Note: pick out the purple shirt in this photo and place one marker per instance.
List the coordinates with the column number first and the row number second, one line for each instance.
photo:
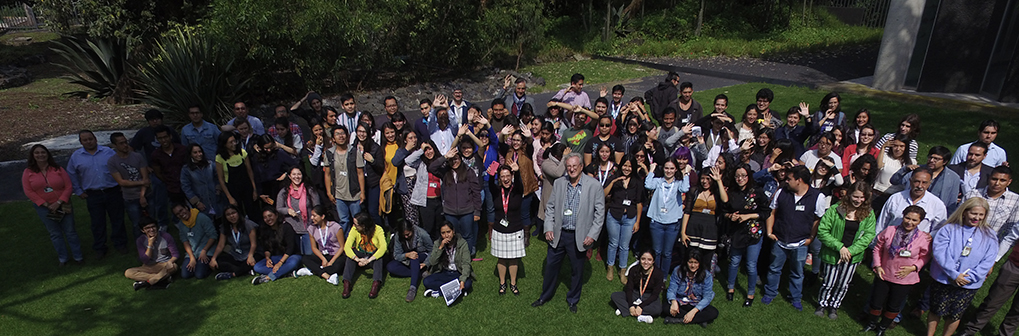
column 326, row 238
column 165, row 249
column 568, row 96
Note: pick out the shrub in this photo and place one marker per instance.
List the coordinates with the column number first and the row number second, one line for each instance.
column 100, row 65
column 185, row 69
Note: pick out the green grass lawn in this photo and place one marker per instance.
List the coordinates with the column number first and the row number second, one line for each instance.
column 595, row 72
column 39, row 298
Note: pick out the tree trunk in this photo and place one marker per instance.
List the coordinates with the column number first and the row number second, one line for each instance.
column 608, row 20
column 700, row 20
column 520, row 54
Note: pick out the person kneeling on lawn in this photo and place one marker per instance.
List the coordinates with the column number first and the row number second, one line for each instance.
column 158, row 254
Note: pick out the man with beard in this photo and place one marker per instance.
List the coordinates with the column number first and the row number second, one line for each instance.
column 891, row 214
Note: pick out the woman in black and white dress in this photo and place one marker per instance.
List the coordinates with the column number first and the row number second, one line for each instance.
column 512, row 215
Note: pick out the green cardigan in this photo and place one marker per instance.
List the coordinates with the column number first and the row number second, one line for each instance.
column 461, row 258
column 830, row 230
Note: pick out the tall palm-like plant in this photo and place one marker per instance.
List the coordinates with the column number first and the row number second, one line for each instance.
column 186, row 69
column 101, row 66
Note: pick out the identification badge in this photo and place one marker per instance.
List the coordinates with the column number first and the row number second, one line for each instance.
column 966, row 250
column 686, row 120
column 626, row 202
column 433, row 185
column 238, row 251
column 685, row 299
column 48, row 189
column 504, row 222
column 568, row 212
column 637, row 302
column 191, row 234
column 664, row 210
column 707, row 211
column 801, row 207
column 905, row 253
column 343, row 173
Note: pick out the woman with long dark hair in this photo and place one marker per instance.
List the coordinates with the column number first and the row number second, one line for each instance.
column 703, row 205
column 294, row 203
column 602, row 166
column 48, row 186
column 450, row 259
column 746, row 212
column 690, row 292
column 375, row 167
column 406, row 180
column 866, row 145
column 236, row 179
column 391, row 143
column 240, row 234
column 845, row 231
column 764, row 142
column 198, row 183
column 864, row 169
column 279, row 244
column 853, row 130
column 364, row 247
column 909, row 130
column 286, row 140
column 427, row 192
column 641, row 293
column 461, row 195
column 410, row 251
column 325, row 259
column 665, row 210
column 828, row 117
column 624, row 198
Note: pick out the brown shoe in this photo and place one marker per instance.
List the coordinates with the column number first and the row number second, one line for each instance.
column 374, row 293
column 622, row 275
column 610, row 272
column 346, row 289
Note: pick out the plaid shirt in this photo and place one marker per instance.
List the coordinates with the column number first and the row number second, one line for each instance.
column 294, row 129
column 1004, row 211
column 572, row 204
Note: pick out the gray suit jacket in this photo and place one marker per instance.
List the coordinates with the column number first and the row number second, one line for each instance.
column 590, row 214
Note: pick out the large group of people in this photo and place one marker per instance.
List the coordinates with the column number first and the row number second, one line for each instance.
column 687, row 193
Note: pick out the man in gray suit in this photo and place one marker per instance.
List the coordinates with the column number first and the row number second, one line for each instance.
column 574, row 215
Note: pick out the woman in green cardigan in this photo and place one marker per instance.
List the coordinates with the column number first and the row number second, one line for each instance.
column 450, row 259
column 845, row 231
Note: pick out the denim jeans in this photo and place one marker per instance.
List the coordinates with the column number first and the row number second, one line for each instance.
column 134, row 211
column 815, row 256
column 372, row 205
column 59, row 232
column 620, row 231
column 346, row 210
column 467, row 229
column 736, row 255
column 159, row 201
column 489, row 204
column 201, row 271
column 412, row 270
column 663, row 239
column 288, row 266
column 779, row 257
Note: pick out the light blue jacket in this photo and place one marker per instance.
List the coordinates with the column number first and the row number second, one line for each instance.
column 674, row 207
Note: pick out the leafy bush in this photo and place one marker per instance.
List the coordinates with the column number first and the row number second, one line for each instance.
column 143, row 19
column 101, row 66
column 186, row 69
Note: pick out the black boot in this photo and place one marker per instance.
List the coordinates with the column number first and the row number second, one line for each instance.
column 881, row 331
column 871, row 323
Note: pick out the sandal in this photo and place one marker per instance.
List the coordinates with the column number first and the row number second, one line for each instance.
column 515, row 290
column 502, row 289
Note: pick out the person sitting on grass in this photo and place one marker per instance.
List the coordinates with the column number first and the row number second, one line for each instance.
column 410, row 251
column 641, row 293
column 365, row 246
column 279, row 244
column 690, row 293
column 326, row 248
column 158, row 253
column 450, row 259
column 198, row 236
column 240, row 256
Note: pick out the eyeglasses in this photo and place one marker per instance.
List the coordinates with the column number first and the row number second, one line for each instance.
column 866, row 134
column 607, row 125
column 741, row 176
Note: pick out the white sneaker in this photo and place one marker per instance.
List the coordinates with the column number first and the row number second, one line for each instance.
column 431, row 293
column 645, row 318
column 618, row 313
column 304, row 271
column 333, row 279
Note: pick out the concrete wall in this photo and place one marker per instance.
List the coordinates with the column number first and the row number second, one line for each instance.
column 897, row 43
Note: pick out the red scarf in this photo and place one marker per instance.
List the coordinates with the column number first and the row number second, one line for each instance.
column 302, row 197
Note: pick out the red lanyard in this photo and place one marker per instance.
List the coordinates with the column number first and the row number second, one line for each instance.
column 505, row 200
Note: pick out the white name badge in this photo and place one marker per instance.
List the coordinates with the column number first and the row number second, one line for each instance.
column 568, row 212
column 966, row 250
column 707, row 211
column 432, row 185
column 504, row 222
column 343, row 173
column 664, row 210
column 686, row 120
column 191, row 234
column 238, row 251
column 626, row 202
column 905, row 253
column 801, row 207
column 637, row 302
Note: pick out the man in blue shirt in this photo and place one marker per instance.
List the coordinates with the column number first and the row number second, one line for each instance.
column 945, row 183
column 241, row 112
column 987, row 133
column 200, row 132
column 92, row 182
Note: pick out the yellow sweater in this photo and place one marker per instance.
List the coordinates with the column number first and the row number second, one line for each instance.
column 377, row 245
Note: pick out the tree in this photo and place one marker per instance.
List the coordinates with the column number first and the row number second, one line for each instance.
column 518, row 23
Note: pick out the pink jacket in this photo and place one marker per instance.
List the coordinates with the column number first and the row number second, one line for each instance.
column 34, row 185
column 920, row 250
